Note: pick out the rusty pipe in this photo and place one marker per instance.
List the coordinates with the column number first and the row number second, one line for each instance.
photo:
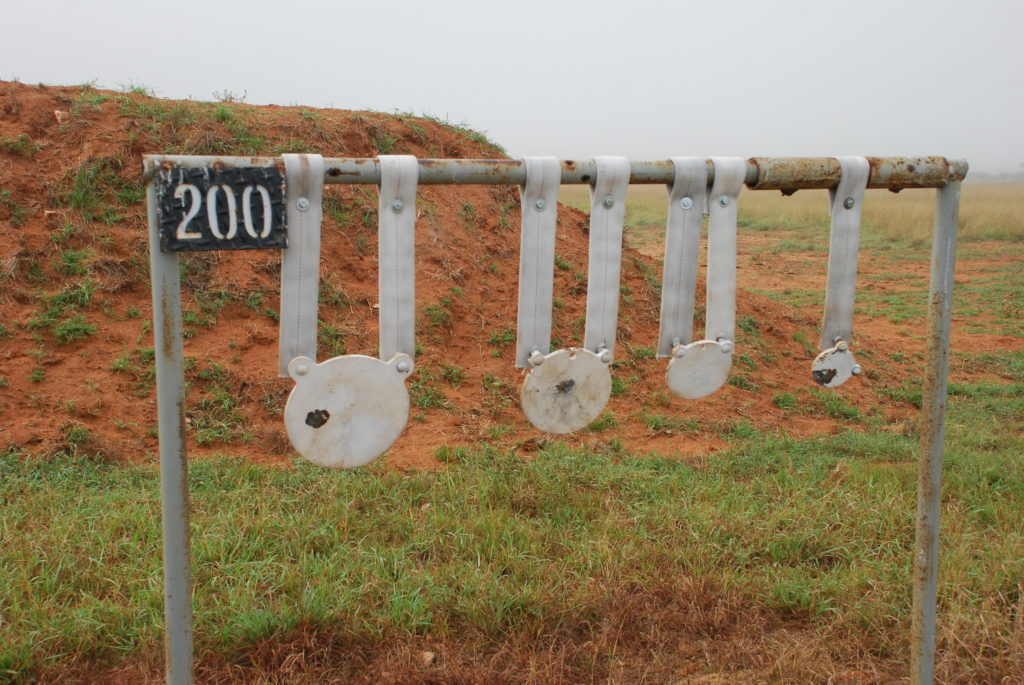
column 763, row 173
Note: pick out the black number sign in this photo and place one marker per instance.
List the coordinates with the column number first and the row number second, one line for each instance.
column 221, row 208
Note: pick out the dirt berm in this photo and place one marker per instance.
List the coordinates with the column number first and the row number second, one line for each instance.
column 76, row 345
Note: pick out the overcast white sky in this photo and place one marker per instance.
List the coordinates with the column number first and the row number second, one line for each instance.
column 573, row 79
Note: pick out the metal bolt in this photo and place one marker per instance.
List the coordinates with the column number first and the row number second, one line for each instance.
column 724, row 201
column 686, row 203
column 536, row 358
column 302, row 204
column 842, row 346
column 397, row 206
column 606, row 355
column 301, row 370
column 403, row 367
column 540, row 204
column 856, row 370
column 726, row 346
column 849, row 203
column 608, row 201
column 678, row 351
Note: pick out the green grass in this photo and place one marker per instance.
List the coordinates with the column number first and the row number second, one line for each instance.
column 502, row 338
column 216, row 419
column 99, row 191
column 603, row 422
column 743, row 383
column 425, row 391
column 331, row 340
column 785, row 400
column 18, row 213
column 453, row 374
column 439, row 314
column 831, row 404
column 384, row 142
column 461, row 129
column 516, row 547
column 89, row 100
column 663, row 422
column 61, row 312
column 74, row 328
column 22, row 146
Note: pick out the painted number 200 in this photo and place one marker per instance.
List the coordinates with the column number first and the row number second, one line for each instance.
column 196, row 201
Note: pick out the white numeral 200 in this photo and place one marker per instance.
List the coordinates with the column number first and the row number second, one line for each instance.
column 196, row 201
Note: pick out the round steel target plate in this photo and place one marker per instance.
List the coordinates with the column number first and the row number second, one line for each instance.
column 566, row 391
column 702, row 369
column 346, row 411
column 833, row 367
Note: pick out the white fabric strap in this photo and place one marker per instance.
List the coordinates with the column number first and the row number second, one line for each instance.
column 537, row 256
column 686, row 205
column 844, row 239
column 399, row 175
column 721, row 285
column 300, row 261
column 607, row 213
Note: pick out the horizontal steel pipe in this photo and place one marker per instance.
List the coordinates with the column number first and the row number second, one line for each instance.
column 763, row 173
column 896, row 173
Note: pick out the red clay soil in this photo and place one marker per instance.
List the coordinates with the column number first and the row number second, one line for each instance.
column 73, row 217
column 687, row 632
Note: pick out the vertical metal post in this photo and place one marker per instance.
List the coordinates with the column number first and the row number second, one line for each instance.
column 933, row 409
column 170, row 384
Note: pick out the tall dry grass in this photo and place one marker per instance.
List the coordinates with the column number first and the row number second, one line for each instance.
column 987, row 211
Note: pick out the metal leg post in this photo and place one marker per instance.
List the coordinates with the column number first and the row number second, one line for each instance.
column 933, row 409
column 173, row 459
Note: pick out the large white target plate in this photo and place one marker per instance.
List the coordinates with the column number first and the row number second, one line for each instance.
column 834, row 366
column 566, row 391
column 347, row 411
column 699, row 369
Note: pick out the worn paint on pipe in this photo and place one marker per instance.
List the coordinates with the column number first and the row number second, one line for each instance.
column 170, row 384
column 894, row 173
column 763, row 173
column 933, row 409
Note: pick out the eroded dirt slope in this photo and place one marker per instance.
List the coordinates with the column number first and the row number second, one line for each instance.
column 76, row 357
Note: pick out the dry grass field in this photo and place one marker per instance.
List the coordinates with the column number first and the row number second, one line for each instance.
column 987, row 212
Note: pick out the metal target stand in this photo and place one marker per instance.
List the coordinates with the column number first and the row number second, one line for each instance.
column 785, row 174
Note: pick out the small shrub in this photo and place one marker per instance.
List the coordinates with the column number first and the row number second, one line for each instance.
column 22, row 146
column 743, row 383
column 644, row 353
column 784, row 400
column 384, row 142
column 501, row 338
column 73, row 329
column 603, row 422
column 453, row 375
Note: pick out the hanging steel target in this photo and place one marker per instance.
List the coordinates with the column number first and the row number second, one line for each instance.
column 566, row 390
column 347, row 411
column 834, row 366
column 699, row 369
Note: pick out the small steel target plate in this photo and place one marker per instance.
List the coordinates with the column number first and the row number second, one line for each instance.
column 566, row 391
column 699, row 369
column 346, row 411
column 833, row 367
